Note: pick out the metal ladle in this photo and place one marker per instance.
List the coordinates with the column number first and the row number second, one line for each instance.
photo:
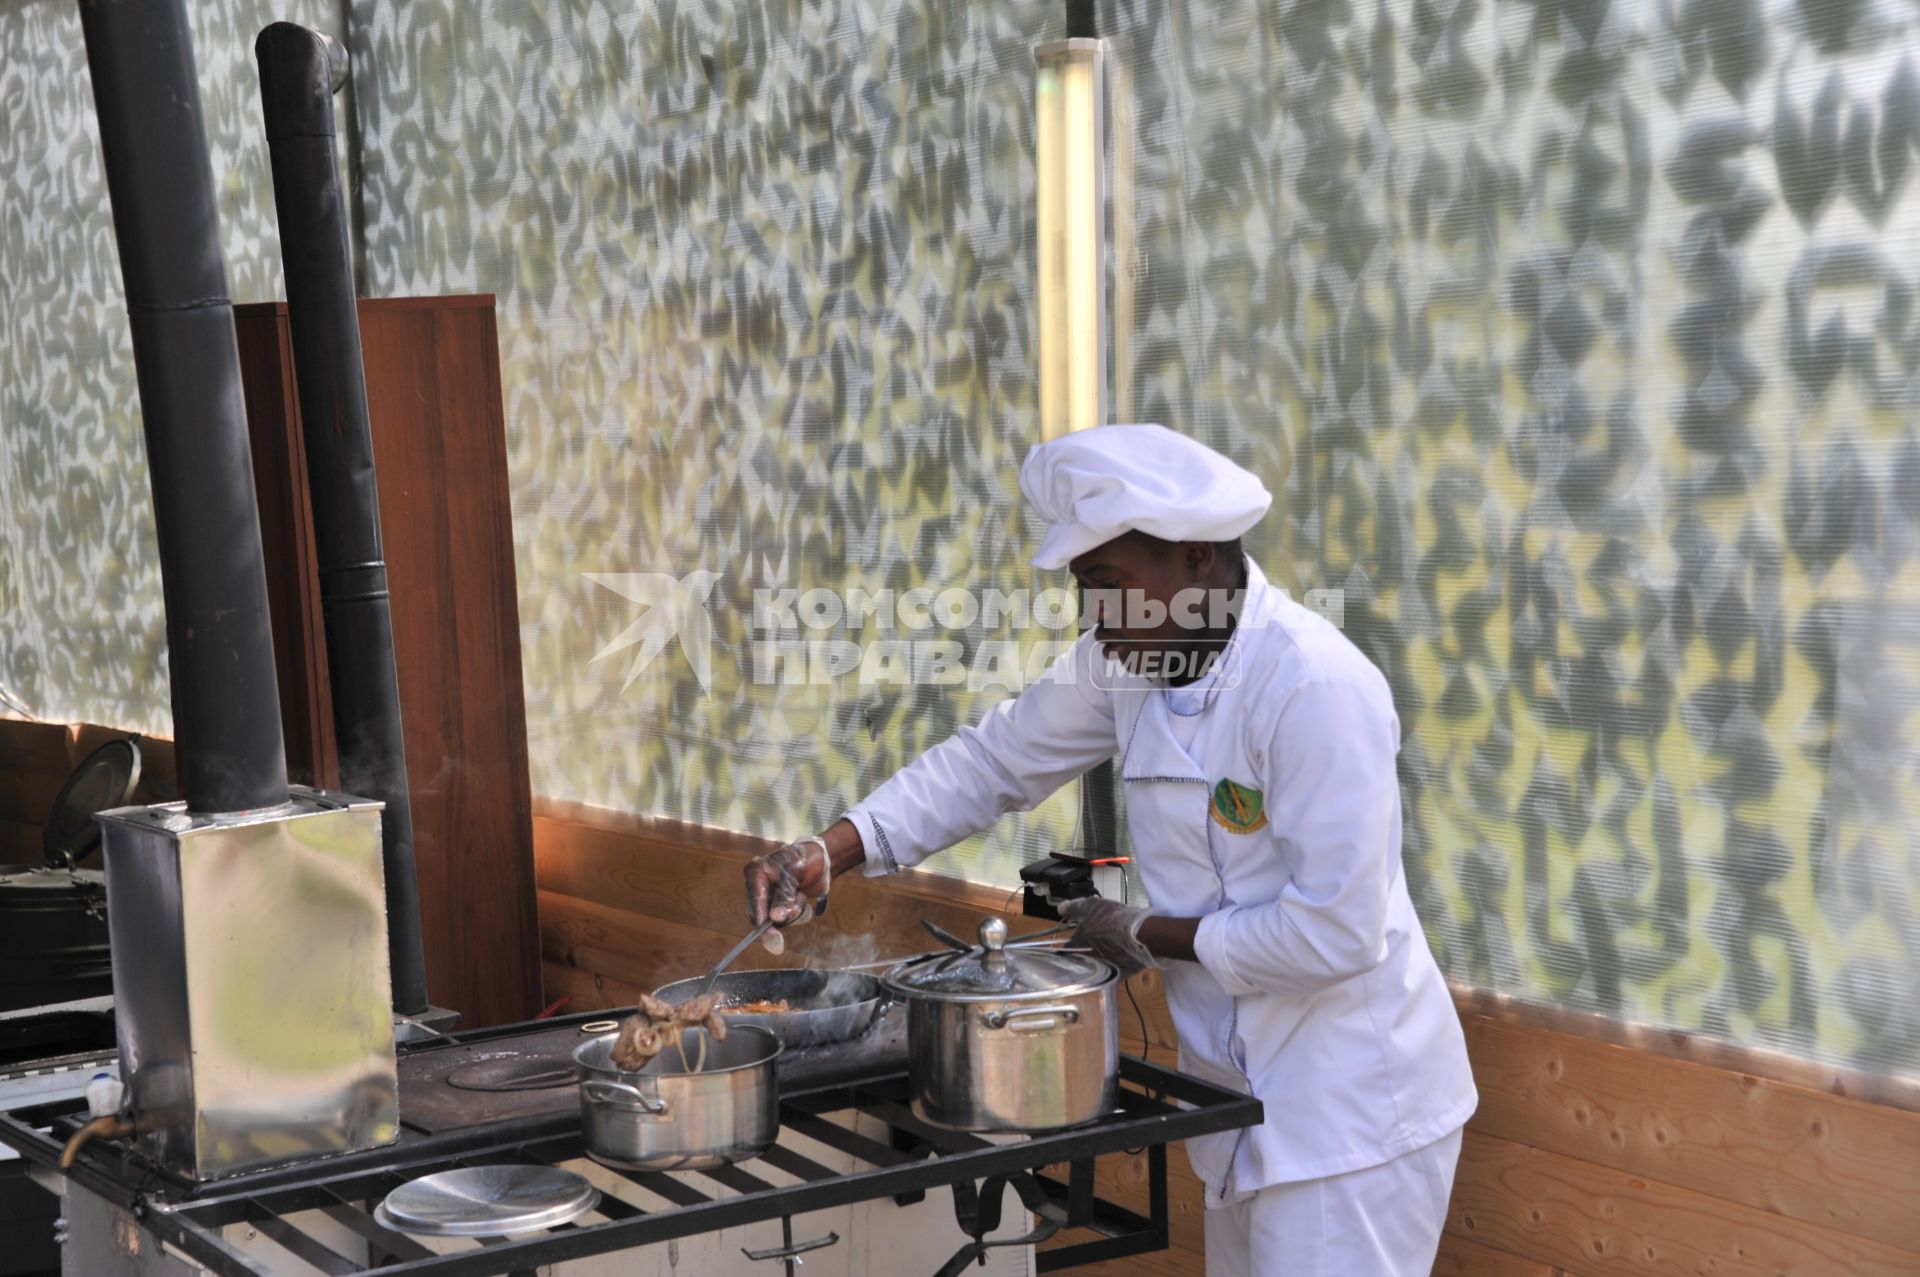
column 706, row 986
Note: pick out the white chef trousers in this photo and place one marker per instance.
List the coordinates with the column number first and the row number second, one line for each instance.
column 1384, row 1221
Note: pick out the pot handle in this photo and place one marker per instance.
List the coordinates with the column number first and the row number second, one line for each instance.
column 614, row 1092
column 1031, row 1019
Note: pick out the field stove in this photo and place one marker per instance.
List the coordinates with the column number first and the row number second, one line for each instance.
column 856, row 1185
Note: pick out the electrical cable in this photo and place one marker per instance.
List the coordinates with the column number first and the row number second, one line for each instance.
column 1139, row 1015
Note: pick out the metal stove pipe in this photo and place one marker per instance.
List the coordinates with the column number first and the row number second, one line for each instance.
column 300, row 70
column 226, row 703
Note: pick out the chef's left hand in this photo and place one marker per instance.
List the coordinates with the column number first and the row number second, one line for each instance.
column 1111, row 930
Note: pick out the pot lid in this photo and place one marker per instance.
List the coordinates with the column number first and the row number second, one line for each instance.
column 487, row 1201
column 992, row 970
column 40, row 885
column 105, row 779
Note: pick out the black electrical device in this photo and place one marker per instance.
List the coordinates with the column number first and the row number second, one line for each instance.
column 1053, row 880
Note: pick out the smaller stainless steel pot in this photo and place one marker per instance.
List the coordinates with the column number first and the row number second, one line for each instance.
column 664, row 1119
column 1008, row 1041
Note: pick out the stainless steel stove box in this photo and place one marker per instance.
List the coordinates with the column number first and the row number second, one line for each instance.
column 250, row 981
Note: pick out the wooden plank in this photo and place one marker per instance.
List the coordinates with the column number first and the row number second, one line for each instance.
column 703, row 886
column 1461, row 1257
column 286, row 531
column 1783, row 1149
column 700, row 886
column 433, row 391
column 626, row 860
column 1559, row 1210
column 20, row 843
column 451, row 301
column 589, row 991
column 439, row 440
column 643, row 951
column 30, row 746
column 27, row 796
column 1175, row 1261
column 675, row 837
column 1883, row 1090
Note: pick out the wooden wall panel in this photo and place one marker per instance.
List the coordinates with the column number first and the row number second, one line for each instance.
column 587, row 990
column 20, row 842
column 29, row 792
column 35, row 761
column 1173, row 1262
column 440, row 441
column 635, row 947
column 1560, row 1210
column 1460, row 1257
column 1781, row 1149
column 32, row 755
column 25, row 744
column 1585, row 1159
column 1890, row 1090
column 433, row 391
column 286, row 540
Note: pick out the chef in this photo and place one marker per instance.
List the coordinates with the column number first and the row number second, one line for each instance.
column 1257, row 748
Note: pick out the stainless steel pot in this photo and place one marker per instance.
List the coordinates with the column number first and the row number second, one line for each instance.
column 664, row 1119
column 1001, row 1040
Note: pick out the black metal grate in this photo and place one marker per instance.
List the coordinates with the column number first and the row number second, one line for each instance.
column 1157, row 1107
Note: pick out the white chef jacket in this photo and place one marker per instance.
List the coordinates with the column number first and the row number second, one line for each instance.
column 1315, row 989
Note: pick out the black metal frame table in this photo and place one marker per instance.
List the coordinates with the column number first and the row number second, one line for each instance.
column 1157, row 1106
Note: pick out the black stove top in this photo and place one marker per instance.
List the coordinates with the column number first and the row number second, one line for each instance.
column 854, row 1101
column 528, row 1071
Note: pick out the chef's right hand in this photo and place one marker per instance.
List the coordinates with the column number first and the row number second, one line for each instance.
column 783, row 884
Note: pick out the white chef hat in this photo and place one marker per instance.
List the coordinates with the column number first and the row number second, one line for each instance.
column 1093, row 485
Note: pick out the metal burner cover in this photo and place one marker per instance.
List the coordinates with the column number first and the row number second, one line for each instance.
column 487, row 1201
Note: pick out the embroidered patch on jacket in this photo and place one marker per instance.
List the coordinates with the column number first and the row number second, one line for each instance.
column 1238, row 808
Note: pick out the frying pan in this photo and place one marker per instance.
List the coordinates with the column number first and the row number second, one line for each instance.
column 828, row 1006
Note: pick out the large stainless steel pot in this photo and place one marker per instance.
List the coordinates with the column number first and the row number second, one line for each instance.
column 664, row 1119
column 1001, row 1040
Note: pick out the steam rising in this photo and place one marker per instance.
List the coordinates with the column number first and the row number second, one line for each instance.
column 832, row 953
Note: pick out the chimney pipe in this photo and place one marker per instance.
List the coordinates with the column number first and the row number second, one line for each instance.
column 300, row 70
column 226, row 704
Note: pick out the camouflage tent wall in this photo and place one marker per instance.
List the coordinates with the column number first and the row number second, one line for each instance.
column 82, row 635
column 1578, row 337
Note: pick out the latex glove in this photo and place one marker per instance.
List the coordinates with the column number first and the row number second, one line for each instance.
column 1111, row 930
column 783, row 884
